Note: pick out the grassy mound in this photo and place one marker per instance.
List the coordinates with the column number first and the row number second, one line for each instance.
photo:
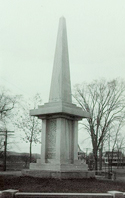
column 29, row 184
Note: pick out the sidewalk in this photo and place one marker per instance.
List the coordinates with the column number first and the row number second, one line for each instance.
column 11, row 173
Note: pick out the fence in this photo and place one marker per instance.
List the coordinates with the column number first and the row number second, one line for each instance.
column 16, row 194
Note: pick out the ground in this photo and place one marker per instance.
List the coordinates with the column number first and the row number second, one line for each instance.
column 29, row 184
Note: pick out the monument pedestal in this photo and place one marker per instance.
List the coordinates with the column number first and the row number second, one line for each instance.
column 59, row 150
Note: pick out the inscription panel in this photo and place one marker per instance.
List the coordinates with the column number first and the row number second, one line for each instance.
column 51, row 139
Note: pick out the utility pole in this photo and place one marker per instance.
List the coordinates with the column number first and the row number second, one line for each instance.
column 5, row 151
column 5, row 133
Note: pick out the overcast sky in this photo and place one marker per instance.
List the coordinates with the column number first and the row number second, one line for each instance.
column 28, row 31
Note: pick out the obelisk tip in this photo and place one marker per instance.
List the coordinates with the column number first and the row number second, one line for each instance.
column 62, row 18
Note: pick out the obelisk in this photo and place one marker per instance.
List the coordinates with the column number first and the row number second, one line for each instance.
column 60, row 84
column 59, row 150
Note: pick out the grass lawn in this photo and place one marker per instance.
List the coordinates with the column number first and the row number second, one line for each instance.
column 29, row 184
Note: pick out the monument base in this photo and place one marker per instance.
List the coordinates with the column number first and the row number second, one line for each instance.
column 59, row 171
column 59, row 174
column 76, row 166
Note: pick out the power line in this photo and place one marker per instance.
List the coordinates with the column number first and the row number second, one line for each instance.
column 15, row 86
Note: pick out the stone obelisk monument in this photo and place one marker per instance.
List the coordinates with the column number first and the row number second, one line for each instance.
column 59, row 150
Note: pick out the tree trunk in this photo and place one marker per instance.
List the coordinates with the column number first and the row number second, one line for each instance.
column 95, row 153
column 100, row 156
column 96, row 162
column 30, row 151
column 96, row 158
column 100, row 159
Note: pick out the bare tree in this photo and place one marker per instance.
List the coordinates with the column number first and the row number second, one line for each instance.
column 7, row 103
column 30, row 125
column 115, row 135
column 105, row 101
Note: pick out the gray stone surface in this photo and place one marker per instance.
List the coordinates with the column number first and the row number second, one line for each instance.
column 60, row 85
column 59, row 151
column 59, row 175
column 59, row 108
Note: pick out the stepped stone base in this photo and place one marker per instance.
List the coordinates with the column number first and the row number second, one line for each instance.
column 59, row 171
column 59, row 174
column 77, row 166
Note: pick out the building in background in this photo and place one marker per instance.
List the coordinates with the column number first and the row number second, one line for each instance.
column 114, row 158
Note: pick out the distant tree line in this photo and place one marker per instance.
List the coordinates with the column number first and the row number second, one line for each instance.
column 18, row 161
